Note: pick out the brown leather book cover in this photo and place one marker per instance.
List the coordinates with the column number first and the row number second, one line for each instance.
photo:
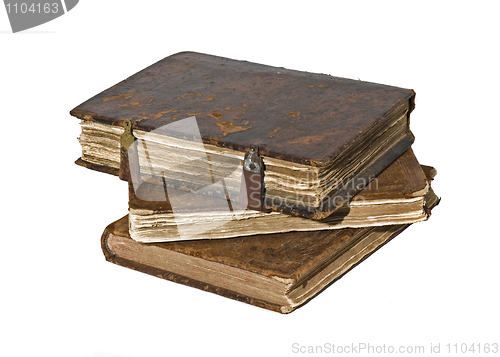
column 279, row 272
column 299, row 117
column 291, row 261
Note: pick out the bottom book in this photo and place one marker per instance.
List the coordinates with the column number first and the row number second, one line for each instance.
column 279, row 272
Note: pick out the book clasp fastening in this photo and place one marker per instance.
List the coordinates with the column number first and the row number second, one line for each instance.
column 253, row 179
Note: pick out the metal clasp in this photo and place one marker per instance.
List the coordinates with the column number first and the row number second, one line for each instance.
column 253, row 177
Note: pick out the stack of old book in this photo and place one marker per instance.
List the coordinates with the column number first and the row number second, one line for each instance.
column 258, row 183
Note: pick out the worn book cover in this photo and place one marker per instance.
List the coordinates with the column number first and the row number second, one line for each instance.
column 314, row 128
column 280, row 272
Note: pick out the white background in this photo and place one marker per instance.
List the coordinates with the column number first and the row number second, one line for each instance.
column 436, row 283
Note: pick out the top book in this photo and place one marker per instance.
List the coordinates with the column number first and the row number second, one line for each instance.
column 322, row 138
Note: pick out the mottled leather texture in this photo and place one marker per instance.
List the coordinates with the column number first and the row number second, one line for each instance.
column 296, row 116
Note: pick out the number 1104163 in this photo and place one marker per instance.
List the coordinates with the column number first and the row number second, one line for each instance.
column 34, row 8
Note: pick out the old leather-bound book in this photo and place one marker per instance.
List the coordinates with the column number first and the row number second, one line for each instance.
column 279, row 272
column 397, row 196
column 321, row 139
